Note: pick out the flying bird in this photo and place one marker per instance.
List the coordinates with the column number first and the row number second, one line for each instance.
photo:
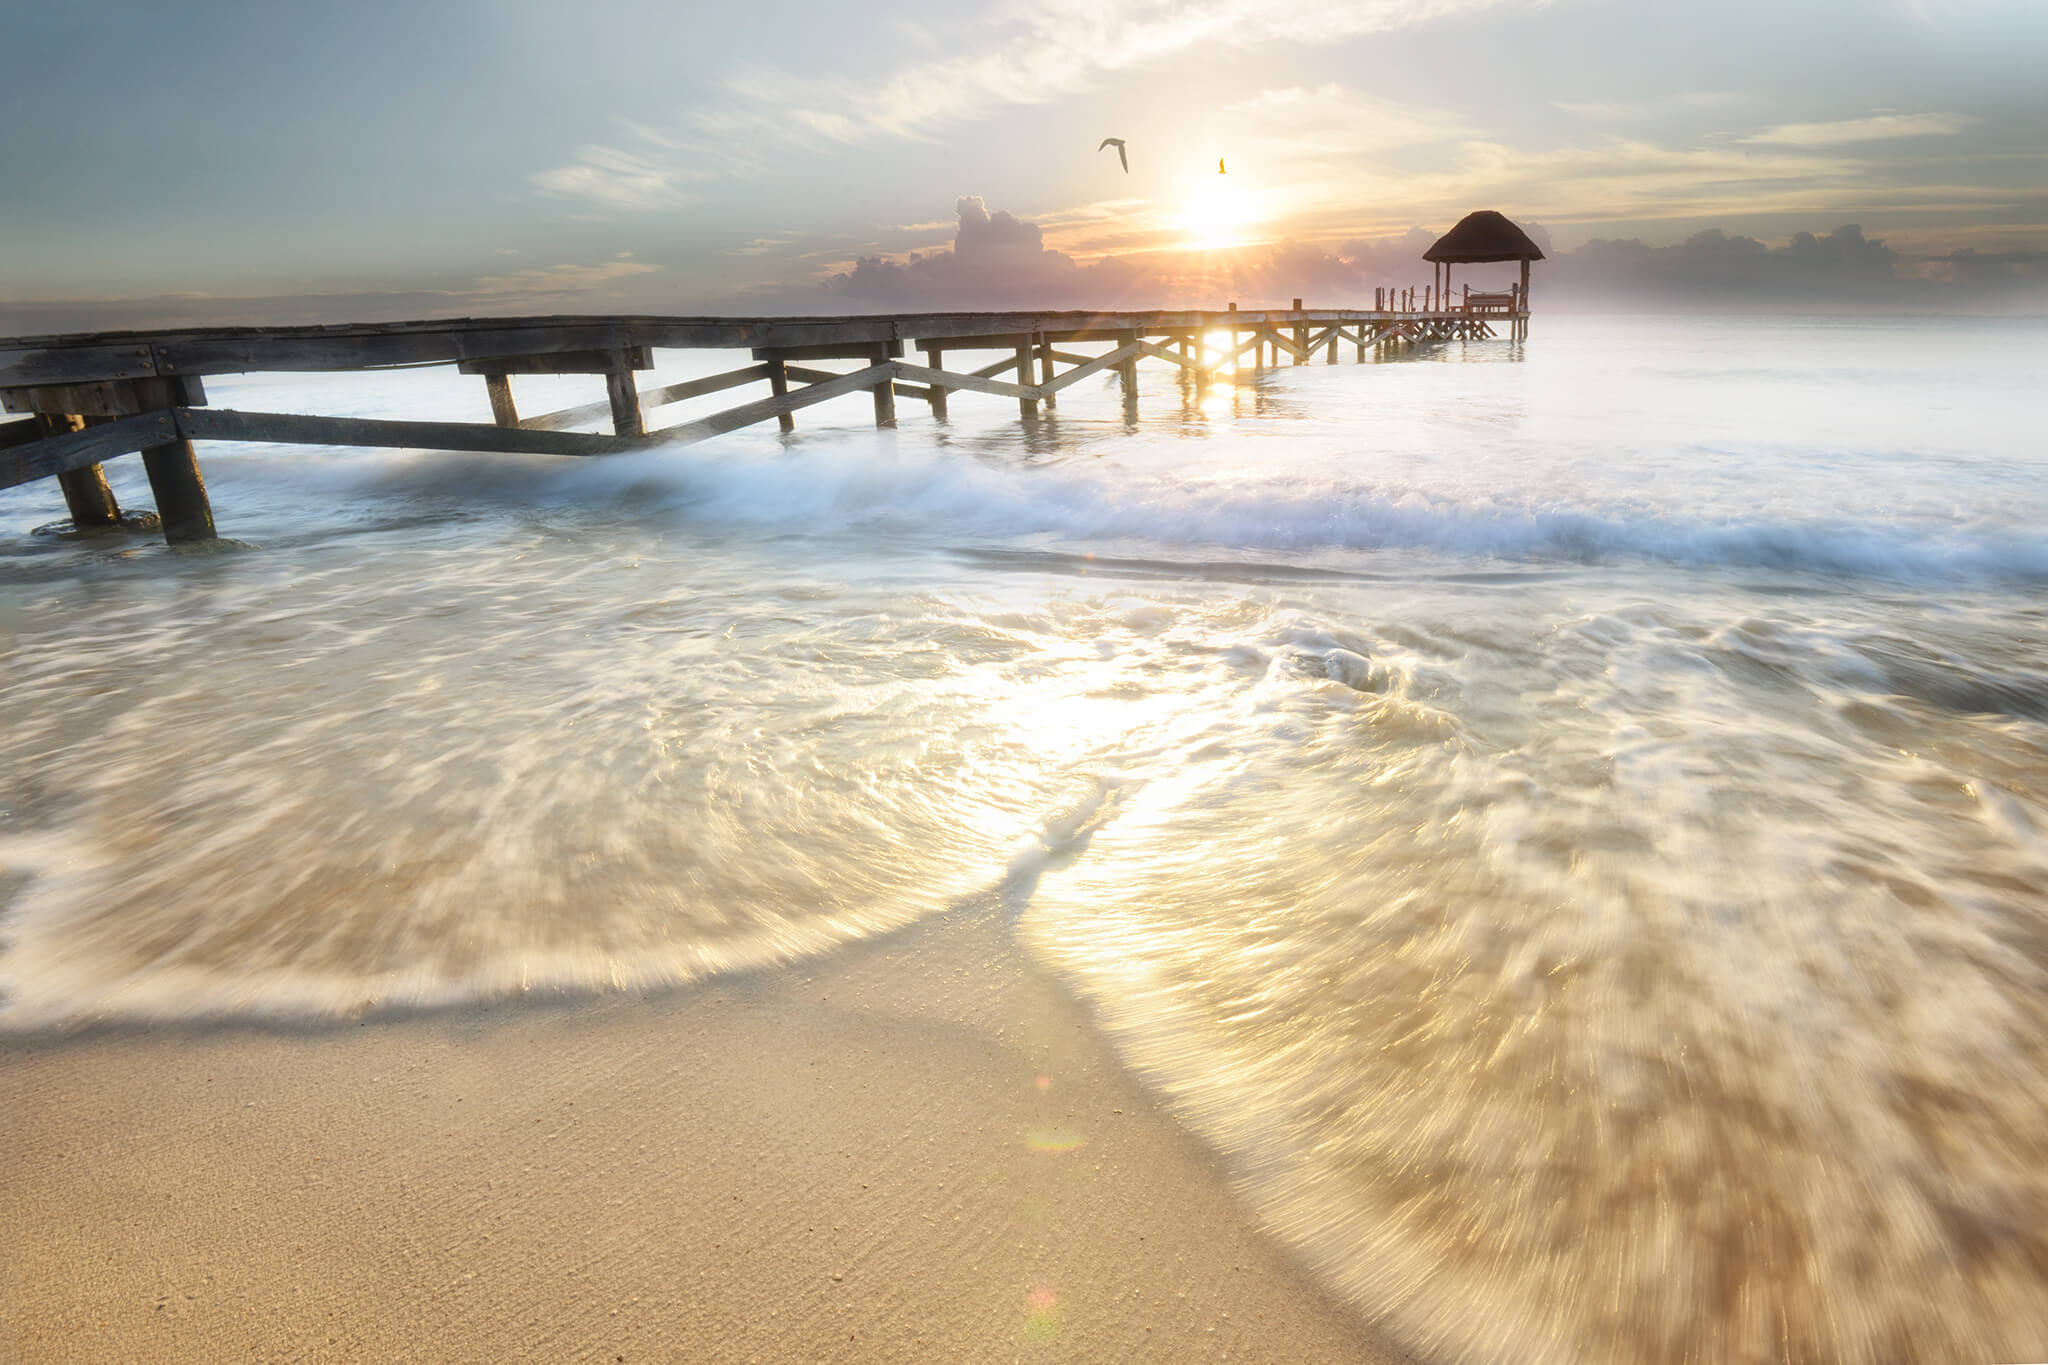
column 1219, row 165
column 1121, row 155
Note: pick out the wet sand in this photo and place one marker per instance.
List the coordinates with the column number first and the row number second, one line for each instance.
column 915, row 1150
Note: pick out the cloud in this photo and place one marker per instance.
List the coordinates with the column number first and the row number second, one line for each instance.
column 1048, row 50
column 1841, row 270
column 1001, row 261
column 1876, row 128
column 1677, row 104
column 617, row 179
column 561, row 279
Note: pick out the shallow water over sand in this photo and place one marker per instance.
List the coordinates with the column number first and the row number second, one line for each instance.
column 1565, row 824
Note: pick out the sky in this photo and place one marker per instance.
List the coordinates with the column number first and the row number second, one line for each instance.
column 287, row 162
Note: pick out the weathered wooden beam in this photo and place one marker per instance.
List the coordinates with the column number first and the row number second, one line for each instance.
column 42, row 458
column 747, row 414
column 854, row 348
column 503, row 410
column 1168, row 353
column 1281, row 343
column 1119, row 356
column 284, row 428
column 228, row 351
column 560, row 362
column 711, row 383
column 953, row 379
column 57, row 360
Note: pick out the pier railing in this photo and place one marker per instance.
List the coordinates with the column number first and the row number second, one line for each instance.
column 92, row 397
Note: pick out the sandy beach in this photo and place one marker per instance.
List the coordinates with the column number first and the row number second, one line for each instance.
column 915, row 1150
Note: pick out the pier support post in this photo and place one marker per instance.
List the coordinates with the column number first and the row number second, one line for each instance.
column 180, row 492
column 1026, row 407
column 1046, row 371
column 885, row 392
column 778, row 385
column 87, row 495
column 503, row 410
column 937, row 358
column 174, row 479
column 625, row 395
column 1300, row 340
column 1128, row 373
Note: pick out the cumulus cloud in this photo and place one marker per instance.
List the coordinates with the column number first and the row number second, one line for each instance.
column 1000, row 261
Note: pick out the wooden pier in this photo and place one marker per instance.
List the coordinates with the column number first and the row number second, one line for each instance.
column 89, row 398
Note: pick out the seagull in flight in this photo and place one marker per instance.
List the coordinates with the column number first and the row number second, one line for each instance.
column 1121, row 155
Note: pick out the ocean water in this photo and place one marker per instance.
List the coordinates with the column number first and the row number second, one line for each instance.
column 1566, row 823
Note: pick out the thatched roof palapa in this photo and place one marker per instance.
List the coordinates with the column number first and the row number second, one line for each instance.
column 1483, row 236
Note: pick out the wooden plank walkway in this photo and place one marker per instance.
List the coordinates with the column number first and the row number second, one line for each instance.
column 91, row 397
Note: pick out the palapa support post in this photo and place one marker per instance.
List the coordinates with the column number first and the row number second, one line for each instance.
column 503, row 410
column 778, row 386
column 625, row 395
column 87, row 495
column 885, row 392
column 937, row 357
column 1026, row 407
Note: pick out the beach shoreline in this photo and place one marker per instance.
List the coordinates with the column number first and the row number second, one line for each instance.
column 912, row 1149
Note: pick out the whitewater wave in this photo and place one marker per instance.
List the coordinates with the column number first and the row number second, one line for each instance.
column 871, row 487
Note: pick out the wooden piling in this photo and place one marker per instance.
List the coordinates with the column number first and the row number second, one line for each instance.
column 180, row 492
column 87, row 495
column 1300, row 340
column 1026, row 407
column 1046, row 373
column 778, row 387
column 885, row 391
column 937, row 357
column 625, row 396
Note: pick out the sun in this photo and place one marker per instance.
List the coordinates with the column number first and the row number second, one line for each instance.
column 1218, row 210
